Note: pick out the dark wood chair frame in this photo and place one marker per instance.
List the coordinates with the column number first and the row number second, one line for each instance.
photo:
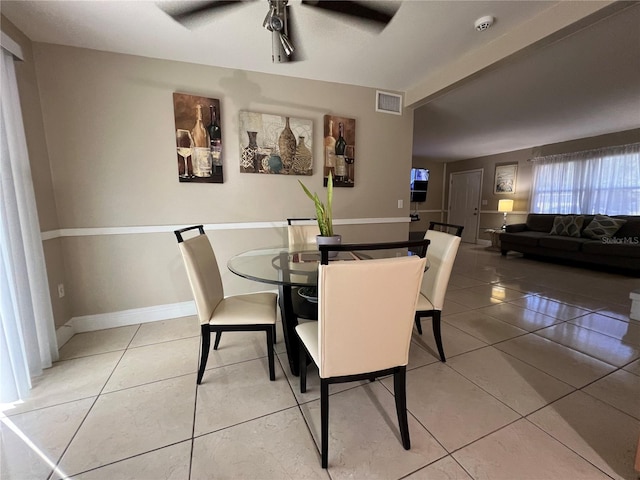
column 205, row 330
column 290, row 220
column 446, row 226
column 399, row 373
column 436, row 315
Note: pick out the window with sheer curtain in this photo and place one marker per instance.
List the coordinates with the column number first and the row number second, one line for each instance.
column 27, row 332
column 604, row 181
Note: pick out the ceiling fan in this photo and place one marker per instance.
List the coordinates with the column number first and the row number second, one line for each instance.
column 278, row 17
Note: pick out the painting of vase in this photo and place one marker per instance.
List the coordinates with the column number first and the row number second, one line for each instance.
column 339, row 150
column 274, row 144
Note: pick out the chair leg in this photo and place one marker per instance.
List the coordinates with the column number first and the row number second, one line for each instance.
column 270, row 342
column 302, row 354
column 206, row 344
column 275, row 338
column 217, row 342
column 418, row 324
column 324, row 421
column 437, row 335
column 400, row 392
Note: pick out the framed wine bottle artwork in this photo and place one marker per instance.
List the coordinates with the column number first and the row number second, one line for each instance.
column 198, row 138
column 339, row 150
column 275, row 144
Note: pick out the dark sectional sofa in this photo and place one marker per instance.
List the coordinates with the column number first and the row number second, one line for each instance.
column 620, row 251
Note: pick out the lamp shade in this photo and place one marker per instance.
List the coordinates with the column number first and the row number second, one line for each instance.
column 505, row 205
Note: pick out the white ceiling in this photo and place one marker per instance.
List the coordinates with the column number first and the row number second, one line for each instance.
column 583, row 85
column 532, row 101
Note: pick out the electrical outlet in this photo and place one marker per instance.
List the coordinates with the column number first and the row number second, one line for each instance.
column 60, row 290
column 400, row 203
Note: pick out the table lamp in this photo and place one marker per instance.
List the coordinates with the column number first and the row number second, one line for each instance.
column 505, row 206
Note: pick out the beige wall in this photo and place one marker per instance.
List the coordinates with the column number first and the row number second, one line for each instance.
column 109, row 126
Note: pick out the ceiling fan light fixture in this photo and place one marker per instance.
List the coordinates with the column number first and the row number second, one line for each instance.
column 286, row 44
column 276, row 24
column 267, row 20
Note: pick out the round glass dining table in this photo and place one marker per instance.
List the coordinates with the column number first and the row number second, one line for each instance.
column 295, row 272
column 280, row 266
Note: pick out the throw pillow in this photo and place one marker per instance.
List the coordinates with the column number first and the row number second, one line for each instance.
column 567, row 225
column 603, row 226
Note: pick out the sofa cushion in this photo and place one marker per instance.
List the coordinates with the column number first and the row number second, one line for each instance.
column 631, row 229
column 567, row 225
column 540, row 222
column 602, row 226
column 522, row 238
column 616, row 247
column 558, row 242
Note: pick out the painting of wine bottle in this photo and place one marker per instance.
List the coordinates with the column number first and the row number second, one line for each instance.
column 339, row 150
column 198, row 139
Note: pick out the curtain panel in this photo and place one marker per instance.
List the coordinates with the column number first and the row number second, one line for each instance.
column 604, row 181
column 27, row 331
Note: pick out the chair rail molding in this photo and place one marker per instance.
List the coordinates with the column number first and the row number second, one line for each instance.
column 93, row 231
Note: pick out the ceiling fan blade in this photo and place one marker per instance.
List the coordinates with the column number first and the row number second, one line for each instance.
column 187, row 13
column 353, row 9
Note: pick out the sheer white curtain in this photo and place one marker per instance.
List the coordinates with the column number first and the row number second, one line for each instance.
column 605, row 181
column 27, row 332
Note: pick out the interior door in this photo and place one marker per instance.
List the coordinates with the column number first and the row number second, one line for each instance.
column 464, row 202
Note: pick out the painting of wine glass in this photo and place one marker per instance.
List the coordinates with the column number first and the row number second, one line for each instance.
column 275, row 144
column 198, row 138
column 339, row 150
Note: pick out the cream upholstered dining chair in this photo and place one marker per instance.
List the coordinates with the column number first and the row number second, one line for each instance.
column 366, row 310
column 217, row 313
column 442, row 253
column 301, row 233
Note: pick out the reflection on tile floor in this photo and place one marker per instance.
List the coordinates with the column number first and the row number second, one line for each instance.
column 542, row 382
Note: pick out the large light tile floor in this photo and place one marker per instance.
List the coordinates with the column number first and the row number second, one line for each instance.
column 542, row 382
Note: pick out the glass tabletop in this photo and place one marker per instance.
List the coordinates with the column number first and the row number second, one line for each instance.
column 281, row 266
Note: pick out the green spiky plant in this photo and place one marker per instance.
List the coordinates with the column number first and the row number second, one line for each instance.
column 323, row 212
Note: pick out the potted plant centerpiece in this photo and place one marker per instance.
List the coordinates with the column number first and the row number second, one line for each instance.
column 324, row 215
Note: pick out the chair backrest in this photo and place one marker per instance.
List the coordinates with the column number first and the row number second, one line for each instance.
column 366, row 311
column 442, row 253
column 447, row 228
column 202, row 271
column 302, row 233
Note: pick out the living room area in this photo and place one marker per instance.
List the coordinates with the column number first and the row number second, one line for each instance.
column 542, row 374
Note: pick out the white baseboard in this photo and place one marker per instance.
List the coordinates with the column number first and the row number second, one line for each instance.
column 101, row 321
column 64, row 334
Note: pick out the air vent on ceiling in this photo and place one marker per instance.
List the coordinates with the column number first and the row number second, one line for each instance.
column 388, row 102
